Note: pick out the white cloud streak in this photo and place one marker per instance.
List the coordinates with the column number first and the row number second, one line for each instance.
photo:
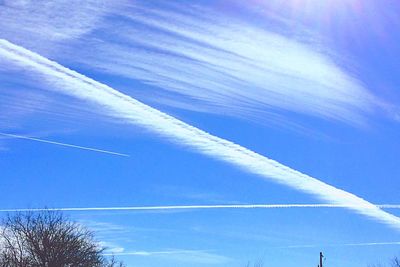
column 227, row 65
column 222, row 64
column 205, row 207
column 64, row 144
column 183, row 255
column 152, row 253
column 367, row 244
column 110, row 247
column 125, row 108
column 25, row 19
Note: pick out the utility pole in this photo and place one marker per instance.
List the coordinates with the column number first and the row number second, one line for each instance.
column 320, row 259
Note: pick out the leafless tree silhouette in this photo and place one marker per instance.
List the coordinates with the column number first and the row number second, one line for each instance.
column 395, row 262
column 258, row 263
column 48, row 239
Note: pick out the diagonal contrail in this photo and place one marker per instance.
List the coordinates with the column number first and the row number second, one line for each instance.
column 199, row 207
column 124, row 107
column 64, row 144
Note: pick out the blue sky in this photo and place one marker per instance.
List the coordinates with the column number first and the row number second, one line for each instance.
column 210, row 103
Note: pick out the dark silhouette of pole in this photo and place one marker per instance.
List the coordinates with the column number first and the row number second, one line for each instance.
column 320, row 259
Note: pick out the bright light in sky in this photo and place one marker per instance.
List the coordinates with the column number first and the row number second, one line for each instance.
column 166, row 125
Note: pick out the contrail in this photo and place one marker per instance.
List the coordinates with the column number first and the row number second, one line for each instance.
column 64, row 144
column 393, row 243
column 124, row 107
column 200, row 207
column 151, row 253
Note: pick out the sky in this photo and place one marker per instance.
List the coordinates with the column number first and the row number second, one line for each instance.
column 161, row 124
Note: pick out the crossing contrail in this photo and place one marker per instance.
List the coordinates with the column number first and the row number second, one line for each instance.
column 125, row 108
column 199, row 207
column 63, row 144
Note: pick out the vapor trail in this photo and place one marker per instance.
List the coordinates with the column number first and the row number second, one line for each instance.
column 124, row 107
column 394, row 243
column 64, row 144
column 151, row 253
column 201, row 207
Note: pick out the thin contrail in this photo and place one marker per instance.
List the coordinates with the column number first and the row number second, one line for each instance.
column 392, row 243
column 128, row 109
column 152, row 253
column 166, row 252
column 64, row 144
column 200, row 207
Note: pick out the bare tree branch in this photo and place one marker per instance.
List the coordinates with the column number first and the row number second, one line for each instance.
column 48, row 239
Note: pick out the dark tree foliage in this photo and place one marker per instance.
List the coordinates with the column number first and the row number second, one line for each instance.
column 48, row 239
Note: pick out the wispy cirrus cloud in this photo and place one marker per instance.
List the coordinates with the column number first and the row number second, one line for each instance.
column 111, row 248
column 22, row 19
column 179, row 255
column 131, row 111
column 200, row 59
column 228, row 66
